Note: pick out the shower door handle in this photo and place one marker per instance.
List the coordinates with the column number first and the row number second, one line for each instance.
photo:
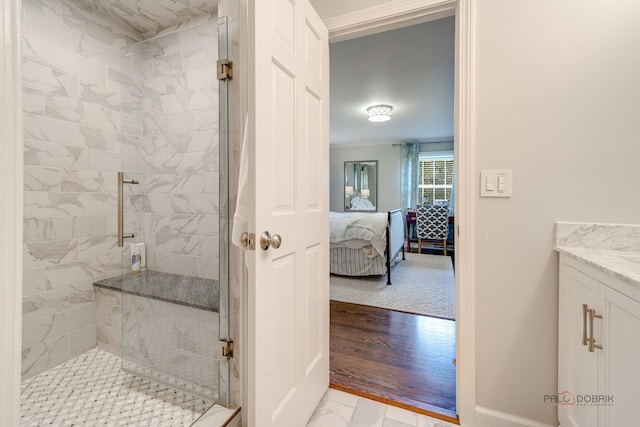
column 121, row 235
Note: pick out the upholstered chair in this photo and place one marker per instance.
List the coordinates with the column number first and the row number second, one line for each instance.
column 432, row 223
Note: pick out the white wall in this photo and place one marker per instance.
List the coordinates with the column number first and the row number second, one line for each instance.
column 388, row 158
column 557, row 93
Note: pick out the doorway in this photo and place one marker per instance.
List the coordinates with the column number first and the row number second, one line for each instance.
column 396, row 354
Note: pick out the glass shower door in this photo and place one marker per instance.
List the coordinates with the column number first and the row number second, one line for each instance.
column 175, row 267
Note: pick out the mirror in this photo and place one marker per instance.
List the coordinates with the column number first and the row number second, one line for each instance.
column 360, row 186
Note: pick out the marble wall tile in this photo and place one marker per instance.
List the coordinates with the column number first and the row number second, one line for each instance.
column 41, row 21
column 187, row 122
column 108, row 314
column 212, row 182
column 198, row 140
column 156, row 223
column 180, row 102
column 55, row 155
column 50, row 253
column 171, row 339
column 167, row 203
column 103, row 96
column 33, row 281
column 205, row 161
column 64, row 132
column 89, row 225
column 38, row 204
column 99, row 27
column 186, row 265
column 93, row 247
column 109, row 296
column 106, row 161
column 83, row 339
column 91, row 115
column 203, row 225
column 85, row 271
column 56, row 300
column 44, row 355
column 109, row 339
column 38, row 178
column 186, row 244
column 47, row 229
column 75, row 181
column 41, row 78
column 200, row 77
column 60, row 59
column 32, row 101
column 175, row 183
column 124, row 83
column 59, row 324
column 63, row 228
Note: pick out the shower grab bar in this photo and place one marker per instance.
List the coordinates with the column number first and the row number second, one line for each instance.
column 121, row 235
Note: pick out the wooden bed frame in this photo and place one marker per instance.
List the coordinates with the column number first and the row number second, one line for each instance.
column 395, row 238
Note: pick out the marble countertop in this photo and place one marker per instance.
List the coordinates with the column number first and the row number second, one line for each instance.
column 611, row 248
column 183, row 290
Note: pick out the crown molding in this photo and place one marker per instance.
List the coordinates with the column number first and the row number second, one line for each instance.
column 389, row 16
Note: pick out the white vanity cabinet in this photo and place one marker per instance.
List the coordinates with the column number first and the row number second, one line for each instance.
column 598, row 348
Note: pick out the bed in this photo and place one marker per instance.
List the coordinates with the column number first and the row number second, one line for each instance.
column 365, row 244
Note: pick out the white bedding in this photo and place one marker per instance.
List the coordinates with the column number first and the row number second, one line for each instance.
column 359, row 230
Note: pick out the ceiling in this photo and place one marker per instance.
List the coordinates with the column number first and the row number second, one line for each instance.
column 148, row 17
column 410, row 68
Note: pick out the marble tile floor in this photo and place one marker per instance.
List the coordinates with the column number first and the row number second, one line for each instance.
column 340, row 409
column 91, row 390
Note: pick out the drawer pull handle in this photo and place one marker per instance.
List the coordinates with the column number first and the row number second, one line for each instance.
column 585, row 308
column 592, row 340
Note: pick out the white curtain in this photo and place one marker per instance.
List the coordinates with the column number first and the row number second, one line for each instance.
column 409, row 174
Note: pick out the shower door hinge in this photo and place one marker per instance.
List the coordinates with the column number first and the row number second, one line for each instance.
column 224, row 68
column 249, row 241
column 225, row 349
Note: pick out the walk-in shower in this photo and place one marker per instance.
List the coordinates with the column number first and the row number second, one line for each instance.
column 126, row 198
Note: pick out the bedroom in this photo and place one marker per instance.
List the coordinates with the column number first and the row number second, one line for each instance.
column 411, row 69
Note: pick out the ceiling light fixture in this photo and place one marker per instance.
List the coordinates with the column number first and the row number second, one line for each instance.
column 379, row 113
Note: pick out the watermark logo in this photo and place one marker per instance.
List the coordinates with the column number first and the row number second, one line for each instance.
column 566, row 398
column 563, row 398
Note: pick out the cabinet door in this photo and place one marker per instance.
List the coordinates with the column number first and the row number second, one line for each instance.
column 577, row 373
column 619, row 376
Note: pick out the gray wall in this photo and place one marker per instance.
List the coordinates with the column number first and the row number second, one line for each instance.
column 556, row 101
column 388, row 158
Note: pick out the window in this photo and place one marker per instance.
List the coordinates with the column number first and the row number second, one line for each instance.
column 436, row 177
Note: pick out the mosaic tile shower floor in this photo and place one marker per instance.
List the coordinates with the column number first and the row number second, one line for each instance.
column 92, row 390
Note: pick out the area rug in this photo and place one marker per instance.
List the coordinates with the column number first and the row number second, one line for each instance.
column 422, row 284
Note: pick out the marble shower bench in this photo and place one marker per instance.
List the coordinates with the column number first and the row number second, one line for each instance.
column 164, row 326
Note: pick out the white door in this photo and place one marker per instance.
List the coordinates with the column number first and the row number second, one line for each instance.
column 579, row 375
column 617, row 331
column 288, row 294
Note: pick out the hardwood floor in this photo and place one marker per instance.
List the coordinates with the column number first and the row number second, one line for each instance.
column 399, row 358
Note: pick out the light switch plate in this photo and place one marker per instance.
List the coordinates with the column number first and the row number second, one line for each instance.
column 496, row 183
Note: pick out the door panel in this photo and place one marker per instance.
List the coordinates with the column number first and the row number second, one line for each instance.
column 288, row 292
column 581, row 289
column 618, row 369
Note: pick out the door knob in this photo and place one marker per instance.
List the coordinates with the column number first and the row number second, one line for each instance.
column 267, row 240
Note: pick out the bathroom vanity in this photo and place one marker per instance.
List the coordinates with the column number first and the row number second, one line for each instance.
column 599, row 324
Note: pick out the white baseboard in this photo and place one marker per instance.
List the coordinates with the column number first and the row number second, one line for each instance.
column 489, row 418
